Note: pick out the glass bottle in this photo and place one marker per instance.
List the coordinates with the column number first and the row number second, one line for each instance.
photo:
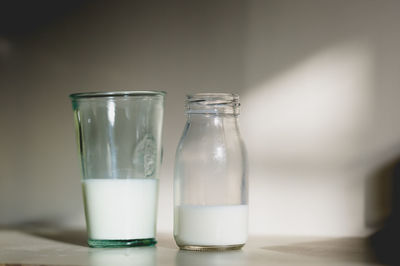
column 210, row 181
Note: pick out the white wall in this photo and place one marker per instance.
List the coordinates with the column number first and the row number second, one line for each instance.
column 318, row 82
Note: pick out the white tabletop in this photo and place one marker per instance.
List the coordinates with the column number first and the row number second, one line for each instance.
column 68, row 247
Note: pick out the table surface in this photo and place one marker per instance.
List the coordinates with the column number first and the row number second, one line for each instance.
column 68, row 247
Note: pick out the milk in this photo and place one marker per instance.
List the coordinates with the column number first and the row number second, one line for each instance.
column 211, row 225
column 120, row 209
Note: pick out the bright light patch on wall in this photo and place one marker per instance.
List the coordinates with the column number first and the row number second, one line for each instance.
column 313, row 112
column 303, row 129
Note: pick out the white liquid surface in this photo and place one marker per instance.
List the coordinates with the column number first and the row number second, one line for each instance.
column 211, row 225
column 120, row 209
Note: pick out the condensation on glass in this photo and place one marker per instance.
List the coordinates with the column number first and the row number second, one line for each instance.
column 210, row 181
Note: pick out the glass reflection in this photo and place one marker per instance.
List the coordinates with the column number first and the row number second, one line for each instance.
column 123, row 256
column 234, row 257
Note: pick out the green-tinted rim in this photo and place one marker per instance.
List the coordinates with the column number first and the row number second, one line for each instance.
column 106, row 94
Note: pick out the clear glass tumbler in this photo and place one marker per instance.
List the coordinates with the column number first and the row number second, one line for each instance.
column 210, row 182
column 119, row 139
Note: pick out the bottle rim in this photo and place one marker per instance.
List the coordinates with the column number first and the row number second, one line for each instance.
column 212, row 103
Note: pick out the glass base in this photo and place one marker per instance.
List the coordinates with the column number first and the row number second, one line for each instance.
column 211, row 248
column 96, row 243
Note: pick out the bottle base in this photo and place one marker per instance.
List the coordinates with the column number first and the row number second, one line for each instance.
column 211, row 248
column 97, row 243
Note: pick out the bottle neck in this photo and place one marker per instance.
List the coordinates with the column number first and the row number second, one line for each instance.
column 207, row 117
column 216, row 104
column 211, row 125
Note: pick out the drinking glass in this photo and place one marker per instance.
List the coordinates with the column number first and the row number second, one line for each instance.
column 119, row 142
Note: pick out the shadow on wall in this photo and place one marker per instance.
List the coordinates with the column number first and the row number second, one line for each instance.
column 386, row 241
column 177, row 46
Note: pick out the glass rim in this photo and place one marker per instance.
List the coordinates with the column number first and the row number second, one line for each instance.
column 110, row 94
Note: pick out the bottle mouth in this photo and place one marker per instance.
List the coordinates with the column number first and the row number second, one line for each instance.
column 212, row 103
